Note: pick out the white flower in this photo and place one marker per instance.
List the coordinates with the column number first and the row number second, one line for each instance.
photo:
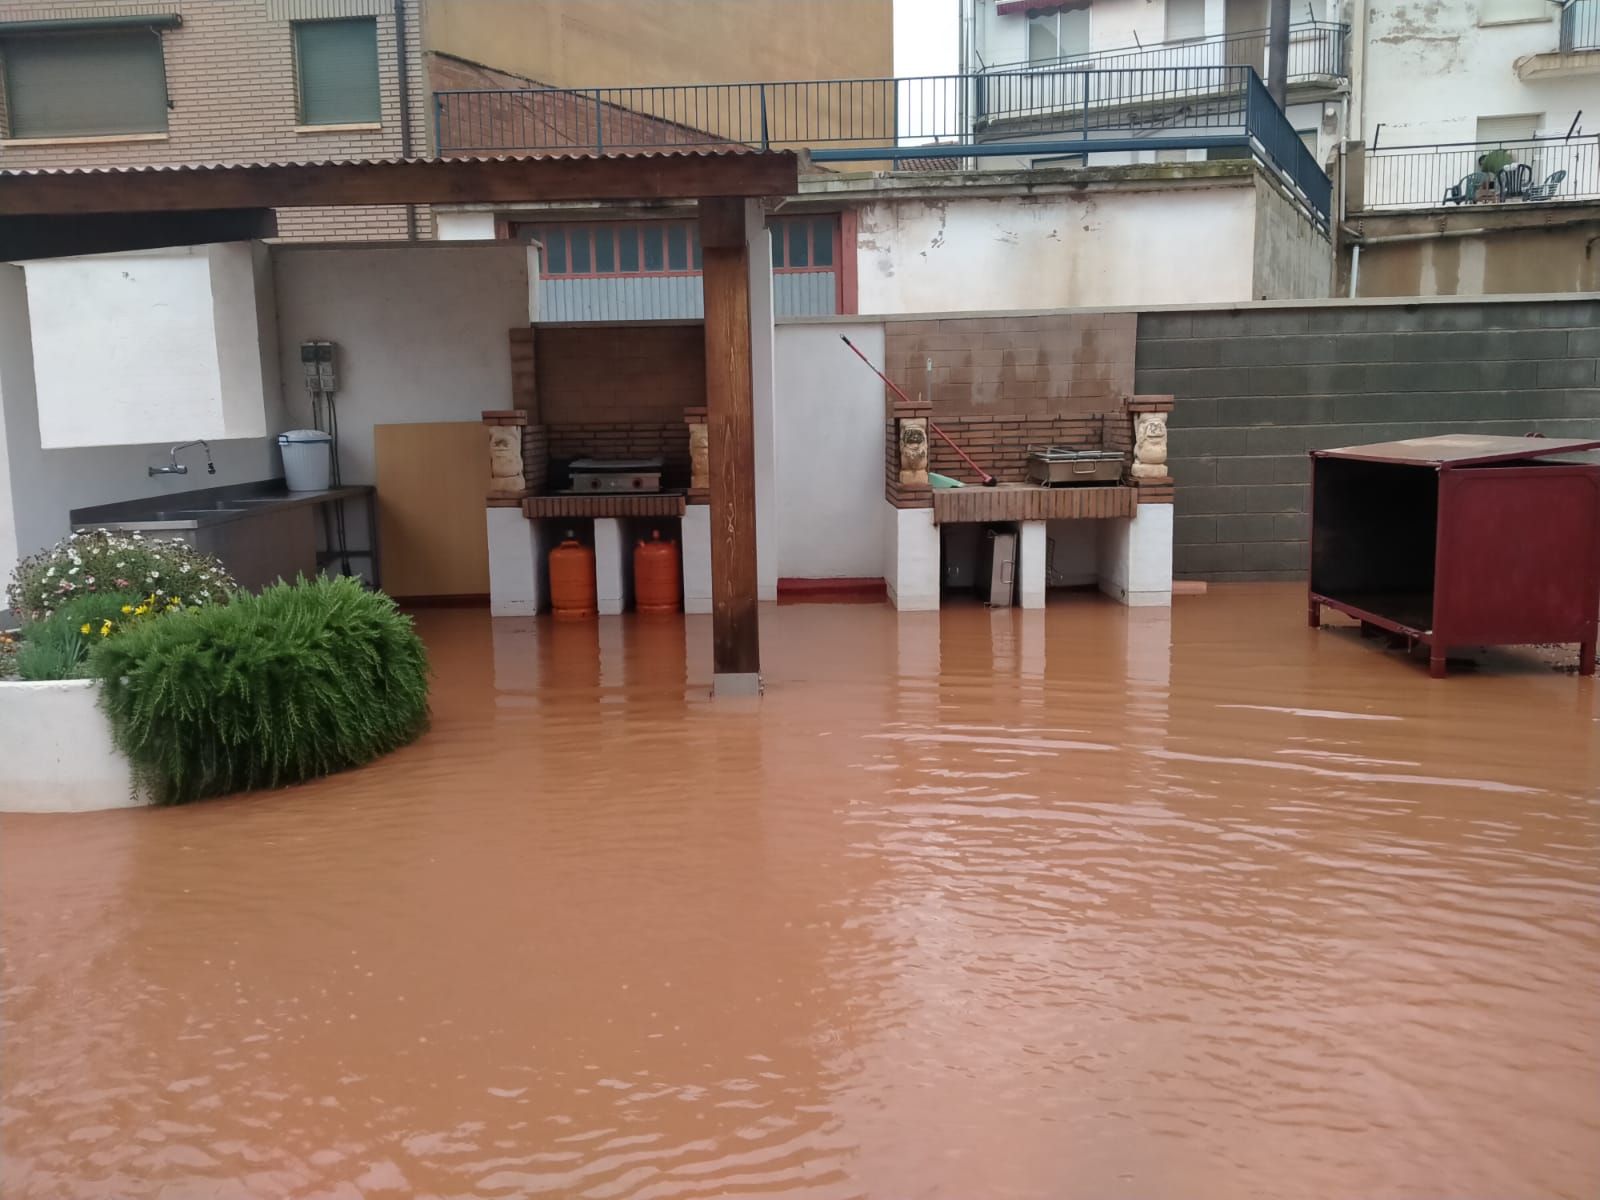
column 74, row 571
column 155, row 574
column 50, row 573
column 184, row 568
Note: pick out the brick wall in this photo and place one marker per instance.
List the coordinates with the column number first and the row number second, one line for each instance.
column 230, row 79
column 1044, row 365
column 620, row 391
column 1257, row 388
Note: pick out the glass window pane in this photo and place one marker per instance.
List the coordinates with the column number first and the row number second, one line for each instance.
column 822, row 242
column 653, row 260
column 677, row 248
column 1042, row 37
column 82, row 84
column 337, row 66
column 555, row 250
column 694, row 241
column 628, row 249
column 798, row 257
column 605, row 249
column 578, row 249
column 777, row 244
column 1073, row 39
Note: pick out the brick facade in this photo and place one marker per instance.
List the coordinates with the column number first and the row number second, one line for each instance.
column 617, row 391
column 233, row 98
column 1043, row 365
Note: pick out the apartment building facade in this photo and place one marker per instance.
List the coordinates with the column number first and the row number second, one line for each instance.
column 134, row 82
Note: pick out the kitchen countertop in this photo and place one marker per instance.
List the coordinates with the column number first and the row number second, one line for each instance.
column 206, row 507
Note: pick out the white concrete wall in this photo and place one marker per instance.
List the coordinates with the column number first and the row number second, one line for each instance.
column 56, row 745
column 764, row 428
column 46, row 484
column 158, row 345
column 910, row 557
column 1130, row 249
column 1430, row 71
column 421, row 332
column 830, row 452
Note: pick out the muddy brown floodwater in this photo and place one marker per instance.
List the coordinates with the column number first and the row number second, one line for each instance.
column 1082, row 903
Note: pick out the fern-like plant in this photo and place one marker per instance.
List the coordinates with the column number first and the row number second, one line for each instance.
column 299, row 681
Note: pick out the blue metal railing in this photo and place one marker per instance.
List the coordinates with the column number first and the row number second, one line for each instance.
column 1023, row 113
column 1316, row 54
column 1580, row 26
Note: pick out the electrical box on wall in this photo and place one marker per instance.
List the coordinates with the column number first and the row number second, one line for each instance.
column 318, row 362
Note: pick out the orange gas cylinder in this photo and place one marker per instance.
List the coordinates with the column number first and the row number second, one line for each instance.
column 655, row 575
column 572, row 579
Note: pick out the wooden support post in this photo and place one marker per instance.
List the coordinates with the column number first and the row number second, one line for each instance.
column 735, row 628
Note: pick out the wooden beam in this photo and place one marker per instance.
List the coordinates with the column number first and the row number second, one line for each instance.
column 108, row 233
column 735, row 621
column 413, row 181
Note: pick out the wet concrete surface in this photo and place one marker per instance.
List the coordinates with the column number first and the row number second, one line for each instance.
column 1082, row 903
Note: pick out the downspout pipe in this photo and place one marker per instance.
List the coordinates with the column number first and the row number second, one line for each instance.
column 403, row 83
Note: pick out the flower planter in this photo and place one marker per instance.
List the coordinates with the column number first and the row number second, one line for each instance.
column 56, row 753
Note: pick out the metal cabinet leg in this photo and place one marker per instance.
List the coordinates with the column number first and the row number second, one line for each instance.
column 1314, row 615
column 1586, row 651
column 1438, row 662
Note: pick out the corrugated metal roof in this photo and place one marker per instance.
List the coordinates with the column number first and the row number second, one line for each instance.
column 159, row 168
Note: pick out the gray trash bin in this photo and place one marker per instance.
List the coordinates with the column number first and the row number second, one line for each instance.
column 307, row 459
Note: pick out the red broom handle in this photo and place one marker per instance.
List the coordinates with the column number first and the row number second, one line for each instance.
column 982, row 474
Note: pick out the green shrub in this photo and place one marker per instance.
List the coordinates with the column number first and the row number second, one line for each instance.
column 99, row 562
column 299, row 681
column 58, row 646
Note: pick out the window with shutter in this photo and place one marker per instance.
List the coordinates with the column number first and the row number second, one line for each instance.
column 84, row 84
column 336, row 66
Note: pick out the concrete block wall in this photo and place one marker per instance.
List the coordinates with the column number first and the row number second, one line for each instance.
column 1257, row 388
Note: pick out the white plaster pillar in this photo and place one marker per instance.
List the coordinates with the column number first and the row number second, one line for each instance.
column 516, row 561
column 911, row 569
column 16, row 389
column 610, row 566
column 1033, row 564
column 1136, row 557
column 764, row 391
column 697, row 558
column 463, row 226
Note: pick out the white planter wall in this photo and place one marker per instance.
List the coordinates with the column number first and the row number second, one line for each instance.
column 57, row 752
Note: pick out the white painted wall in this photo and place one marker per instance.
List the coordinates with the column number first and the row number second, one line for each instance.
column 1128, row 249
column 1429, row 71
column 46, row 484
column 910, row 557
column 421, row 332
column 1113, row 25
column 158, row 345
column 56, row 745
column 830, row 452
column 463, row 225
column 763, row 420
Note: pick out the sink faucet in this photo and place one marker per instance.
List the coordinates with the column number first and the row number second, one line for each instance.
column 174, row 467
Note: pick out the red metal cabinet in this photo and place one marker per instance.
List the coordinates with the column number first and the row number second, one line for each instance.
column 1460, row 540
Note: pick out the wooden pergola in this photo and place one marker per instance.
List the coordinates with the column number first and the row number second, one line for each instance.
column 55, row 213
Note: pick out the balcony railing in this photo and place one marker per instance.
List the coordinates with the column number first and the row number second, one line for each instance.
column 1316, row 54
column 1580, row 26
column 1037, row 112
column 1509, row 172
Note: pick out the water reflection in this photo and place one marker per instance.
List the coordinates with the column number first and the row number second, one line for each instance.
column 1069, row 903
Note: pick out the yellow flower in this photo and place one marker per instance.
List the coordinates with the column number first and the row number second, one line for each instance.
column 105, row 630
column 84, row 628
column 127, row 608
column 141, row 610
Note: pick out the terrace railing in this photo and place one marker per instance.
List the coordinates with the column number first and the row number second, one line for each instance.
column 1316, row 54
column 1059, row 111
column 1507, row 172
column 1580, row 26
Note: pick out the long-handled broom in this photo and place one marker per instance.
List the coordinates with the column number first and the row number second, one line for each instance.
column 988, row 479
